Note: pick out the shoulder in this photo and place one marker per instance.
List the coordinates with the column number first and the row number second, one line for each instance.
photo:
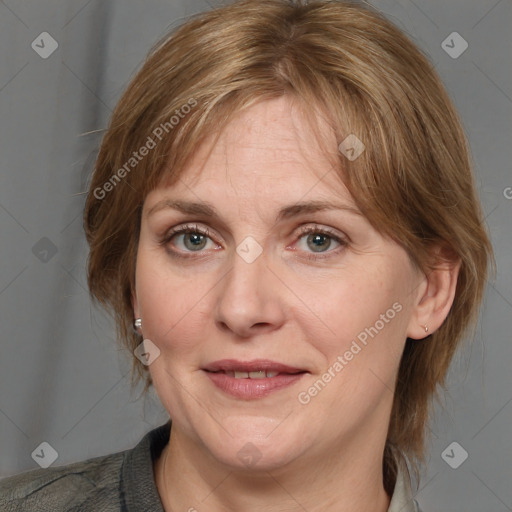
column 402, row 499
column 88, row 485
column 122, row 481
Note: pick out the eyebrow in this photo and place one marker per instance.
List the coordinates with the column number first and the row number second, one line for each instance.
column 286, row 212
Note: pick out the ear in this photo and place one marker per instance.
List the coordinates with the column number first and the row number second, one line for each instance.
column 435, row 295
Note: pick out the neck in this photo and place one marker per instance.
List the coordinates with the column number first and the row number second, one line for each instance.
column 189, row 478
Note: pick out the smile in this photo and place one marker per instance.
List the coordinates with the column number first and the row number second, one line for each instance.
column 253, row 379
column 261, row 374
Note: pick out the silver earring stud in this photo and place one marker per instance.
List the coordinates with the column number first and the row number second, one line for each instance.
column 426, row 328
column 137, row 323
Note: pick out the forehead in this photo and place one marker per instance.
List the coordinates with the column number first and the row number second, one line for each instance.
column 267, row 150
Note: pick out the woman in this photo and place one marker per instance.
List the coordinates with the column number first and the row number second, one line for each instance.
column 283, row 220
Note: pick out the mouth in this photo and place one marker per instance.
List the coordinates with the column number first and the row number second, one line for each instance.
column 252, row 379
column 258, row 374
column 255, row 369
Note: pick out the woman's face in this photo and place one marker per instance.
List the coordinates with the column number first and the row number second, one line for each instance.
column 278, row 273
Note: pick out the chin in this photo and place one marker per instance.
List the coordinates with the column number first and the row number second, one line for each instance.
column 255, row 443
column 252, row 458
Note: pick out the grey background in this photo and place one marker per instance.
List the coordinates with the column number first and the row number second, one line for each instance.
column 63, row 379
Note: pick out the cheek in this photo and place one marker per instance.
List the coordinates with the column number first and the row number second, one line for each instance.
column 336, row 310
column 358, row 327
column 172, row 305
column 359, row 342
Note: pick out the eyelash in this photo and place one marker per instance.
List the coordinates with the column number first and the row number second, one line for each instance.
column 303, row 231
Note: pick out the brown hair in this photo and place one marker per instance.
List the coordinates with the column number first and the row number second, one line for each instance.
column 340, row 60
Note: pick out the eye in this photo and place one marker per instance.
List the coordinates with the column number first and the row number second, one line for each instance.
column 316, row 242
column 191, row 239
column 319, row 240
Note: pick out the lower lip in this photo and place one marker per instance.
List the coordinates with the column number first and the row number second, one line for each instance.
column 249, row 389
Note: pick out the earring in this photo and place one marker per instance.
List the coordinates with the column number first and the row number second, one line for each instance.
column 137, row 323
column 426, row 328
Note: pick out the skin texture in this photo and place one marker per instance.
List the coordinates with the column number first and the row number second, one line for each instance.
column 325, row 454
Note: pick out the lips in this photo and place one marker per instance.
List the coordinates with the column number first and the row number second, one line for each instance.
column 252, row 379
column 255, row 369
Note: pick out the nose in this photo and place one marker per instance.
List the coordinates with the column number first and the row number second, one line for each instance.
column 250, row 298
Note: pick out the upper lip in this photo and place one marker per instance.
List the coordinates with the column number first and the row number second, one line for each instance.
column 255, row 365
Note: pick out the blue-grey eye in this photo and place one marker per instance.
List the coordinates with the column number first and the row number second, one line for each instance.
column 319, row 242
column 194, row 241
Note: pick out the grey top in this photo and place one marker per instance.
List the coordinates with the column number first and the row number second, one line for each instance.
column 121, row 482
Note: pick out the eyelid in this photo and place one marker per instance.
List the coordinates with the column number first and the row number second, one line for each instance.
column 185, row 228
column 312, row 227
